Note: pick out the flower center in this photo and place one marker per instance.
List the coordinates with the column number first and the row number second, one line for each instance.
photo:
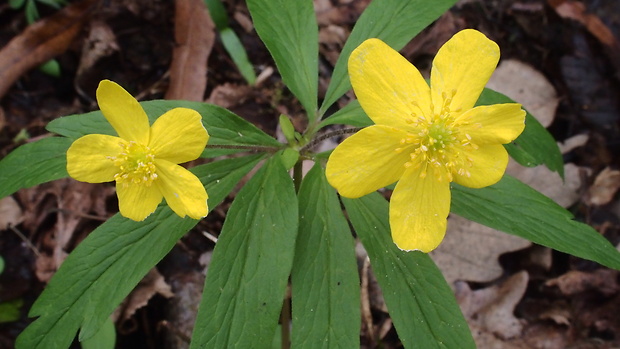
column 136, row 164
column 436, row 141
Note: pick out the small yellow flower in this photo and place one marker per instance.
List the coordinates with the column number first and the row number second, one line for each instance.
column 144, row 159
column 424, row 137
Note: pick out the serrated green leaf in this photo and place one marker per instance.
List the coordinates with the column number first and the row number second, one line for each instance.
column 395, row 22
column 535, row 146
column 105, row 338
column 324, row 280
column 291, row 34
column 34, row 163
column 351, row 114
column 224, row 127
column 252, row 260
column 516, row 208
column 420, row 302
column 110, row 262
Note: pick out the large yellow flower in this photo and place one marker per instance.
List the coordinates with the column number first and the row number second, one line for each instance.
column 424, row 137
column 144, row 159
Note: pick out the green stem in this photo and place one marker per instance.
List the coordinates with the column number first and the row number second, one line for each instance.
column 327, row 135
column 251, row 148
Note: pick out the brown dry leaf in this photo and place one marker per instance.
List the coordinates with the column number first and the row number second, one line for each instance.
column 527, row 86
column 69, row 201
column 100, row 42
column 490, row 310
column 604, row 187
column 470, row 251
column 228, row 95
column 574, row 281
column 153, row 283
column 10, row 213
column 195, row 34
column 41, row 42
column 577, row 11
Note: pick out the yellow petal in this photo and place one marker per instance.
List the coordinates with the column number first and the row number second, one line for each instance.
column 387, row 86
column 463, row 66
column 123, row 112
column 178, row 136
column 367, row 161
column 492, row 124
column 137, row 201
column 419, row 209
column 89, row 158
column 488, row 166
column 183, row 191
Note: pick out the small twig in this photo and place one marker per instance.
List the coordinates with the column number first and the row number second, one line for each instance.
column 210, row 236
column 328, row 135
column 26, row 240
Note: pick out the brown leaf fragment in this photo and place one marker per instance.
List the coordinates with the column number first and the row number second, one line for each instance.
column 604, row 187
column 10, row 213
column 574, row 281
column 491, row 309
column 41, row 42
column 195, row 35
column 153, row 283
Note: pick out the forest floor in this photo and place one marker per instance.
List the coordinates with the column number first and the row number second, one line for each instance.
column 560, row 59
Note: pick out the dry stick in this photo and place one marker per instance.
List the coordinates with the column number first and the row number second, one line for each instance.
column 26, row 240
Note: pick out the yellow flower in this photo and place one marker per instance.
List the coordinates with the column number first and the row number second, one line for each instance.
column 424, row 137
column 144, row 159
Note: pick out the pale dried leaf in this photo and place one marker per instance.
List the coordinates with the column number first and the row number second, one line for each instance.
column 491, row 309
column 565, row 193
column 604, row 187
column 195, row 34
column 470, row 251
column 573, row 143
column 10, row 213
column 527, row 86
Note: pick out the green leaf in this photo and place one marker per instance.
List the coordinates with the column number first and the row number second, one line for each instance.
column 535, row 146
column 224, row 127
column 34, row 163
column 290, row 32
column 324, row 279
column 51, row 68
column 11, row 311
column 516, row 208
column 235, row 49
column 251, row 263
column 420, row 301
column 105, row 338
column 15, row 4
column 111, row 261
column 395, row 22
column 351, row 114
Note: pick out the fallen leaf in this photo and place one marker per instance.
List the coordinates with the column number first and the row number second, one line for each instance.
column 491, row 309
column 41, row 42
column 10, row 213
column 153, row 283
column 194, row 34
column 574, row 281
column 470, row 251
column 228, row 95
column 563, row 192
column 604, row 187
column 527, row 86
